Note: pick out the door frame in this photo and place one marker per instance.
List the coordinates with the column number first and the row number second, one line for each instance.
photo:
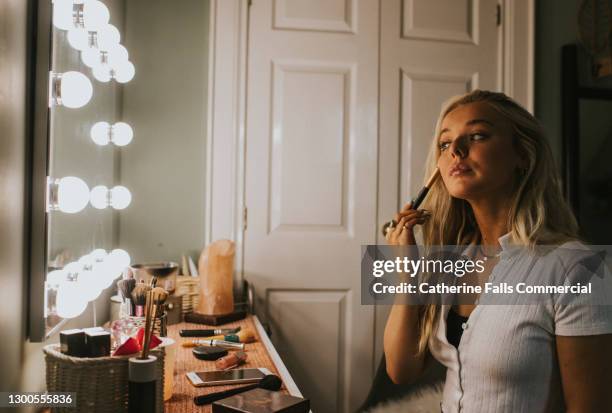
column 227, row 96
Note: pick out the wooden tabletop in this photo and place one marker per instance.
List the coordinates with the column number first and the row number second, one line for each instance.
column 261, row 353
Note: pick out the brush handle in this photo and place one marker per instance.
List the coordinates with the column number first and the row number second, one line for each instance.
column 147, row 340
column 213, row 397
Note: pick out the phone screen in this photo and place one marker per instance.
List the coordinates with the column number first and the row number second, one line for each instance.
column 230, row 375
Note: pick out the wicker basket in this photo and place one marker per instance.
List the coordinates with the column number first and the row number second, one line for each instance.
column 100, row 384
column 188, row 288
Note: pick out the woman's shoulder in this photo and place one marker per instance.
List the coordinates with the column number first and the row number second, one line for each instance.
column 564, row 250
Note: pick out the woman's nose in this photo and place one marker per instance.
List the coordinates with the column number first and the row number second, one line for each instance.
column 459, row 148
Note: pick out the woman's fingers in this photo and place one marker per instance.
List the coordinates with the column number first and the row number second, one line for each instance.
column 411, row 212
column 402, row 234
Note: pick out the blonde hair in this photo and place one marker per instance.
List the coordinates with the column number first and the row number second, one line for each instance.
column 538, row 214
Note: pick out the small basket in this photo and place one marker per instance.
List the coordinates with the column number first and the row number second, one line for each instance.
column 100, row 384
column 188, row 288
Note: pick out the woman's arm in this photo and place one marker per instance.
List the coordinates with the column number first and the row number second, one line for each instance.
column 585, row 363
column 401, row 337
column 401, row 341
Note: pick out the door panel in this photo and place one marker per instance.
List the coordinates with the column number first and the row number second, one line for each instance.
column 311, row 163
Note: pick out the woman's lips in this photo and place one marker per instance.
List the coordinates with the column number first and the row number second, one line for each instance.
column 459, row 170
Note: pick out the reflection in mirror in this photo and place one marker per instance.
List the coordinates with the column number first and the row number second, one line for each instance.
column 127, row 146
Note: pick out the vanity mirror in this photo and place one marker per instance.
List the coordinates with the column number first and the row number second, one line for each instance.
column 119, row 164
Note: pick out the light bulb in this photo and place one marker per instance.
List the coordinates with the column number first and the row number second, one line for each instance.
column 99, row 197
column 100, row 133
column 98, row 254
column 125, row 72
column 120, row 197
column 104, row 274
column 122, row 134
column 108, row 37
column 72, row 194
column 117, row 55
column 72, row 269
column 56, row 278
column 86, row 261
column 88, row 285
column 91, row 57
column 62, row 14
column 95, row 15
column 70, row 301
column 119, row 259
column 102, row 73
column 78, row 38
column 75, row 90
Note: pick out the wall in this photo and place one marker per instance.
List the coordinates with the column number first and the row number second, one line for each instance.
column 555, row 26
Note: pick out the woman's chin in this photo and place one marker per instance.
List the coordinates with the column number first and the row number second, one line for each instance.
column 465, row 192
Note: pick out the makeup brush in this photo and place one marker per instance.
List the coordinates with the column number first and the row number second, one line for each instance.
column 244, row 336
column 155, row 298
column 139, row 298
column 416, row 202
column 269, row 382
column 125, row 288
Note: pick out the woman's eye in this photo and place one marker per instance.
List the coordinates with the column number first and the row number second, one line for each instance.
column 478, row 136
column 443, row 145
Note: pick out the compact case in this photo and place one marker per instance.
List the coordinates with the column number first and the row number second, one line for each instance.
column 209, row 353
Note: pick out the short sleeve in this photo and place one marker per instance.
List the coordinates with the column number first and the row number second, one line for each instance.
column 585, row 313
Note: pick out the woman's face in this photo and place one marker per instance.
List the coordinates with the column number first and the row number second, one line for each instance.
column 478, row 139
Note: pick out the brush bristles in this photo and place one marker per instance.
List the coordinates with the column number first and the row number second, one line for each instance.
column 139, row 294
column 159, row 295
column 125, row 288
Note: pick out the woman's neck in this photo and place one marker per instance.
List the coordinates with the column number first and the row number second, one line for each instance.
column 492, row 219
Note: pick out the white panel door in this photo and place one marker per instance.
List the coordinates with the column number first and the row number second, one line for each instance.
column 430, row 51
column 311, row 187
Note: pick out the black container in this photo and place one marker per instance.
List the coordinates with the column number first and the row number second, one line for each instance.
column 142, row 385
column 72, row 343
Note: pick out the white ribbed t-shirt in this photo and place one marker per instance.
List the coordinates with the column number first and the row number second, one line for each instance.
column 506, row 361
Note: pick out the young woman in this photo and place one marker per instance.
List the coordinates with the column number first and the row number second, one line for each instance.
column 499, row 188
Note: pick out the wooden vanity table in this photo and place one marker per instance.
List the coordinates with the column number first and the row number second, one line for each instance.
column 261, row 353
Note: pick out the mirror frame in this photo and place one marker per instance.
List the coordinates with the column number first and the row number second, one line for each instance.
column 40, row 60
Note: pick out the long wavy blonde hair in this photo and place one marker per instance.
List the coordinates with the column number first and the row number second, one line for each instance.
column 538, row 214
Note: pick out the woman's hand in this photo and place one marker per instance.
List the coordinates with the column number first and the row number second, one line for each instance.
column 403, row 233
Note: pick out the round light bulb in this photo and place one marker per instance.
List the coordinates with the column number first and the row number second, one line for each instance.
column 99, row 197
column 70, row 300
column 56, row 278
column 108, row 37
column 75, row 90
column 125, row 72
column 98, row 254
column 120, row 197
column 86, row 261
column 104, row 274
column 102, row 73
column 117, row 55
column 122, row 134
column 95, row 15
column 78, row 38
column 62, row 14
column 100, row 133
column 91, row 57
column 86, row 282
column 72, row 194
column 119, row 259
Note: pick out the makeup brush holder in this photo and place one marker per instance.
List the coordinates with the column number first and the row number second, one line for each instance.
column 101, row 384
column 160, row 325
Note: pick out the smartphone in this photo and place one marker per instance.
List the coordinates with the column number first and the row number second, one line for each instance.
column 220, row 377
